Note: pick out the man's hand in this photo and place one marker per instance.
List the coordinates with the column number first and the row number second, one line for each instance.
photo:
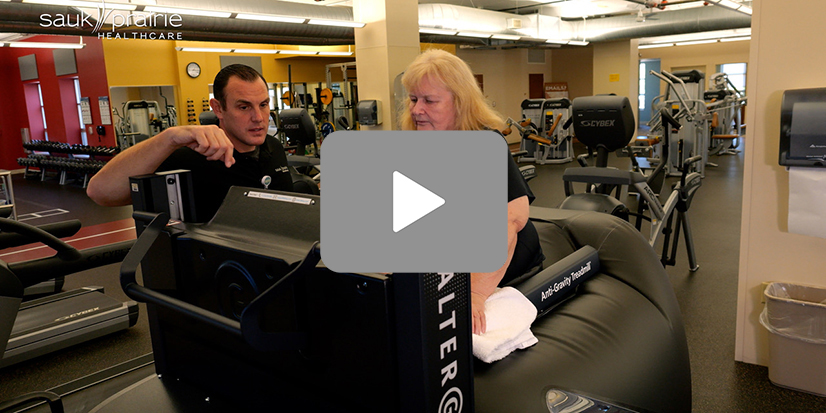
column 477, row 308
column 209, row 141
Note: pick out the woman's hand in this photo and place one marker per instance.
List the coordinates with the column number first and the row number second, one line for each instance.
column 477, row 309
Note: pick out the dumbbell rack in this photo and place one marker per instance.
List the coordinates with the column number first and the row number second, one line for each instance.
column 64, row 164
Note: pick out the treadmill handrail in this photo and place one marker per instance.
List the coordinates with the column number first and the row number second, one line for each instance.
column 64, row 250
column 53, row 400
column 58, row 229
column 38, row 270
column 249, row 328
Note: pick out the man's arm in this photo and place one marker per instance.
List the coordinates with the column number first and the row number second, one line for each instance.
column 110, row 186
column 482, row 285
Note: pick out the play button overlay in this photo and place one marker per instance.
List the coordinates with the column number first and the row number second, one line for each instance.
column 411, row 201
column 418, row 202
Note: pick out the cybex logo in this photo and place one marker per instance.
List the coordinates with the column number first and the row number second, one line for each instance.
column 598, row 123
column 77, row 314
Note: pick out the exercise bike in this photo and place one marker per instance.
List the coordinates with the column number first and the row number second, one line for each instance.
column 607, row 123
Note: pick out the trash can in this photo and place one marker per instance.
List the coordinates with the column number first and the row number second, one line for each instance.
column 795, row 316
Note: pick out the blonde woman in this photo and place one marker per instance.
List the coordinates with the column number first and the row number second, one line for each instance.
column 444, row 95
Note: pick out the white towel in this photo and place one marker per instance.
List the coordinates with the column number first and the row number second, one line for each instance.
column 508, row 316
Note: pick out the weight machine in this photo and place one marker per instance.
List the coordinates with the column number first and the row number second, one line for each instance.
column 546, row 141
column 345, row 96
column 686, row 105
column 141, row 120
column 726, row 105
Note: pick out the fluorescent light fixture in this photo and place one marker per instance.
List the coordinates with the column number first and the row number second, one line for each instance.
column 300, row 52
column 259, row 51
column 203, row 49
column 696, row 42
column 188, row 12
column 735, row 39
column 668, row 42
column 338, row 23
column 654, row 45
column 270, row 18
column 475, row 34
column 690, row 42
column 426, row 30
column 506, row 37
column 570, row 42
column 79, row 3
column 43, row 45
column 256, row 51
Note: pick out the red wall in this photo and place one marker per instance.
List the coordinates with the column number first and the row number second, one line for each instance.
column 61, row 112
column 13, row 114
column 91, row 71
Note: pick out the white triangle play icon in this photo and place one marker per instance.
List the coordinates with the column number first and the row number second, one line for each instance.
column 411, row 201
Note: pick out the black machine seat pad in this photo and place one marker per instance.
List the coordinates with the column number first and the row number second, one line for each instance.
column 619, row 338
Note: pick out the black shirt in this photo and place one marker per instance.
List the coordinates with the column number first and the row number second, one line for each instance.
column 212, row 179
column 528, row 252
column 517, row 186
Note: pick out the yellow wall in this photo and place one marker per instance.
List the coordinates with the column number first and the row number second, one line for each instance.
column 783, row 56
column 616, row 68
column 446, row 47
column 306, row 69
column 140, row 62
column 505, row 75
column 575, row 66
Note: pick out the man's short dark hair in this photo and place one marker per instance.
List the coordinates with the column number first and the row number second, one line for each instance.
column 240, row 71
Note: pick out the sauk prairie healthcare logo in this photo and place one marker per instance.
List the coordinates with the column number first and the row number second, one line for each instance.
column 112, row 22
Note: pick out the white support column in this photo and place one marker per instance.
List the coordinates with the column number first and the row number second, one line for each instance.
column 384, row 48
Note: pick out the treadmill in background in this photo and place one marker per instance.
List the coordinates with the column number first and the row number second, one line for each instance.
column 40, row 326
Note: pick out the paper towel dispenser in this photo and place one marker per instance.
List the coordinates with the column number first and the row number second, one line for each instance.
column 369, row 112
column 803, row 128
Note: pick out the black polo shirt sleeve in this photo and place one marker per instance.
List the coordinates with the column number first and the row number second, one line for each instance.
column 517, row 186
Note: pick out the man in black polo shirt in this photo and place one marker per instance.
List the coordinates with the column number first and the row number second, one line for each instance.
column 239, row 152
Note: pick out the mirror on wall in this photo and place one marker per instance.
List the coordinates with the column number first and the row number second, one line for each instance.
column 140, row 112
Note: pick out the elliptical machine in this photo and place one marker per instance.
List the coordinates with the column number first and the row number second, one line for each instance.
column 607, row 124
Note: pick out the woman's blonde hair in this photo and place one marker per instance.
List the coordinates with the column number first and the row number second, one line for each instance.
column 472, row 110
